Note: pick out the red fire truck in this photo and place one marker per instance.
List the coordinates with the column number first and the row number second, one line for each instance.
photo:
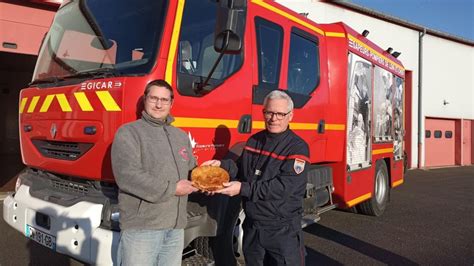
column 222, row 58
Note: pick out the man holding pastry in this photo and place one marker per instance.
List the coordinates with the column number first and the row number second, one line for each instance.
column 272, row 183
column 151, row 161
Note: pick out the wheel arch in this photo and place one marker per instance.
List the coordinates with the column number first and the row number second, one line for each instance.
column 388, row 164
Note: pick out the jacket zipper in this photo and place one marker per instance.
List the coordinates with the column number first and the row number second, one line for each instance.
column 177, row 169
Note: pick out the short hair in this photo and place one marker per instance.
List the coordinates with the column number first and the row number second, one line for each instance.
column 159, row 83
column 276, row 94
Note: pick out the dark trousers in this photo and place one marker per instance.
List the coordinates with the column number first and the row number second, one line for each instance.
column 278, row 244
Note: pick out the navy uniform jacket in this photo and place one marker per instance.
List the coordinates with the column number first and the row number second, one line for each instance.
column 272, row 169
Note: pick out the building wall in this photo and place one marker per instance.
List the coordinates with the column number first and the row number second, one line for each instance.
column 448, row 83
column 447, row 65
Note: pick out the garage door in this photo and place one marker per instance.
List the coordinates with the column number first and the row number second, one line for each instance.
column 466, row 142
column 439, row 142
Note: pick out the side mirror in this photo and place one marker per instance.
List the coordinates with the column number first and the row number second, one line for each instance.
column 230, row 23
column 228, row 42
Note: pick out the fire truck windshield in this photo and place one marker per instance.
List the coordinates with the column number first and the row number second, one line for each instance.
column 90, row 36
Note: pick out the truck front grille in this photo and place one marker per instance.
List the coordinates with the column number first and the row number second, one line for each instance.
column 68, row 186
column 70, row 151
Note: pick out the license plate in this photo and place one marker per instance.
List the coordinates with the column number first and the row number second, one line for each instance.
column 41, row 237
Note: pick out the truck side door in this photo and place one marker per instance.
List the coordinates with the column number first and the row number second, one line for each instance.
column 288, row 58
column 213, row 116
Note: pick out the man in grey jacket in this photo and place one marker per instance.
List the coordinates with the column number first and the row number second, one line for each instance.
column 151, row 161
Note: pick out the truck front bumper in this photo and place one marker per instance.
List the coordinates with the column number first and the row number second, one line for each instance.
column 73, row 231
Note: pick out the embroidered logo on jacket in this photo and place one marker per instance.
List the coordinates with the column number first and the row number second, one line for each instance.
column 184, row 153
column 298, row 166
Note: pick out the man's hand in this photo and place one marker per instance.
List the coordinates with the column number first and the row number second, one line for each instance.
column 212, row 163
column 230, row 188
column 184, row 187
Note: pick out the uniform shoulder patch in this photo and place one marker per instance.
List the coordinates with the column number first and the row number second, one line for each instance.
column 298, row 166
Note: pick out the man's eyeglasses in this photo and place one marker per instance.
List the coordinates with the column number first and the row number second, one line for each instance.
column 278, row 115
column 154, row 99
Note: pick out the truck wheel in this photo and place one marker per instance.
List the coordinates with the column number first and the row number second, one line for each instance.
column 227, row 246
column 377, row 204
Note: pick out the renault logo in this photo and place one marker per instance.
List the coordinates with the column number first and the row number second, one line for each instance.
column 53, row 131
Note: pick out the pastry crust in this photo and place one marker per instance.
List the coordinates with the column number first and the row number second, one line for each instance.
column 209, row 178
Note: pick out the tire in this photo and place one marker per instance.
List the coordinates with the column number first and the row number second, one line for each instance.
column 405, row 162
column 376, row 205
column 227, row 247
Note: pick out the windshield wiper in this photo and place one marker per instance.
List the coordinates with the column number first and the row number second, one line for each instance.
column 95, row 73
column 46, row 80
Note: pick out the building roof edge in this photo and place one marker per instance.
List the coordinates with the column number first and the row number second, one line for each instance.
column 399, row 21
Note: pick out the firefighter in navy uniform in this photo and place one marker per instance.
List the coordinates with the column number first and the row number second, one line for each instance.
column 272, row 183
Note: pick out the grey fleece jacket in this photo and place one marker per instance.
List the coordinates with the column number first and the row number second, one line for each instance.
column 148, row 158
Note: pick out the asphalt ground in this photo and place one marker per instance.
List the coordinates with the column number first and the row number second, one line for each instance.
column 429, row 221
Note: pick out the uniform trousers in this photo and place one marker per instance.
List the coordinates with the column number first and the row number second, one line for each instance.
column 278, row 243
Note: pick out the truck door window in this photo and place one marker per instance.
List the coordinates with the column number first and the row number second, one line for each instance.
column 196, row 54
column 303, row 63
column 269, row 49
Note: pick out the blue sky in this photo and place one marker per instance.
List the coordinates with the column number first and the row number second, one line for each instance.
column 455, row 17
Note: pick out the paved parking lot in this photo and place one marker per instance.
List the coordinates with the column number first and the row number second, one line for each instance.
column 429, row 222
